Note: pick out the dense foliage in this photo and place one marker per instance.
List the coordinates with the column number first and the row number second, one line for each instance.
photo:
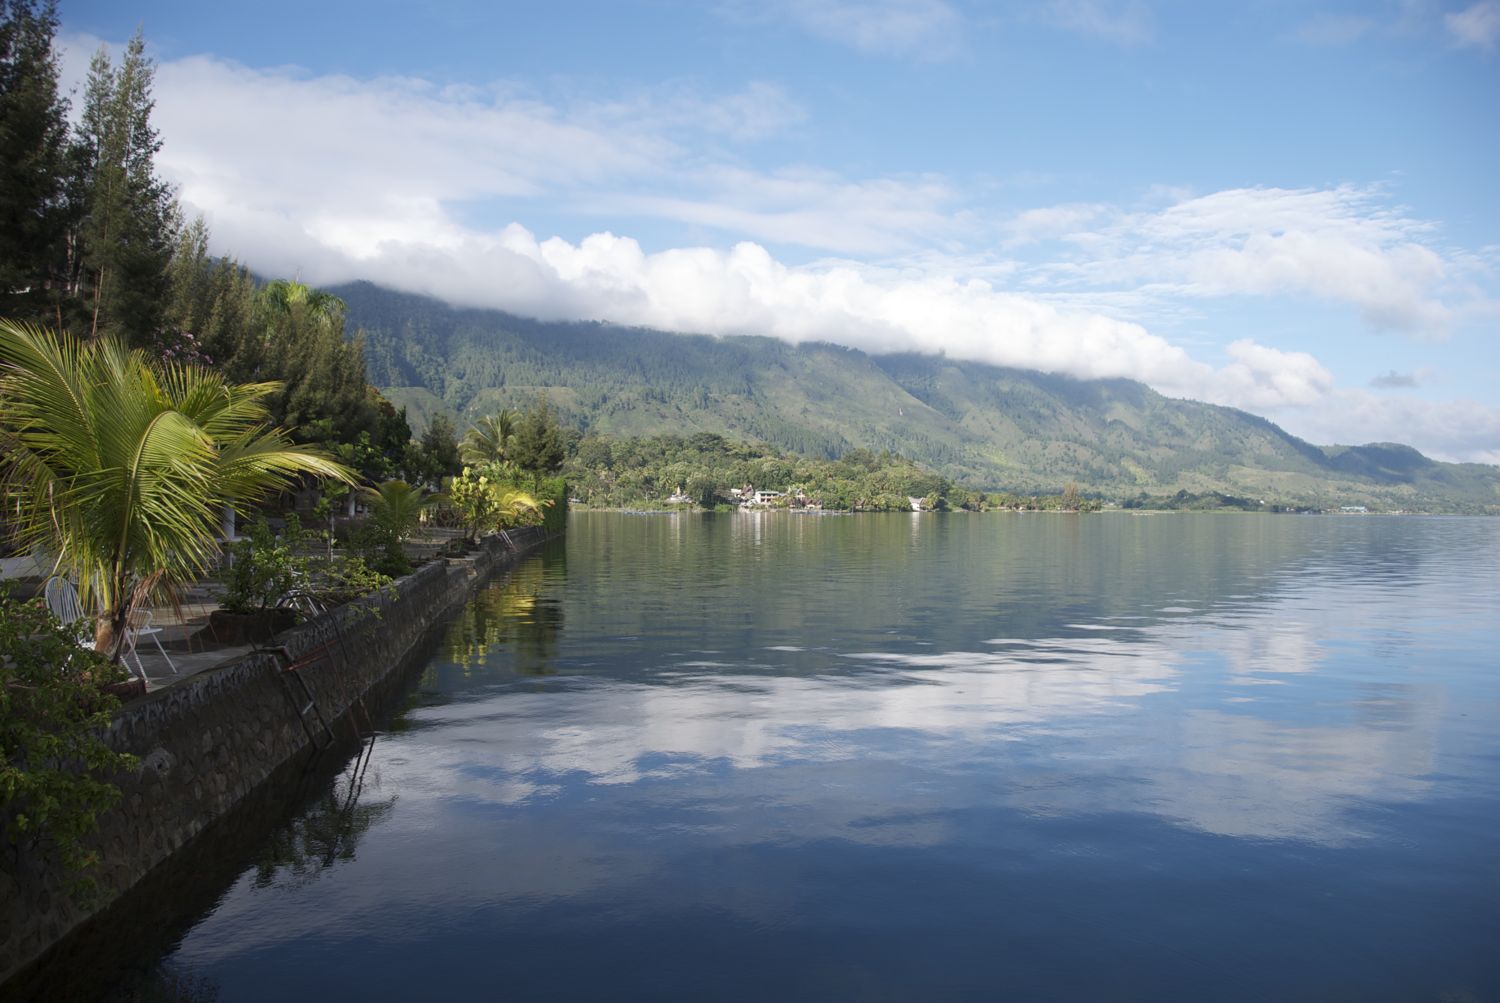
column 709, row 471
column 1205, row 501
column 92, row 242
column 293, row 335
column 34, row 212
column 271, row 570
column 122, row 468
column 706, row 468
column 264, row 569
column 54, row 764
column 551, row 494
column 489, row 499
column 89, row 227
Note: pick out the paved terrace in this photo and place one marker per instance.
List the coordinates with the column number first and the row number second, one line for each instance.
column 186, row 635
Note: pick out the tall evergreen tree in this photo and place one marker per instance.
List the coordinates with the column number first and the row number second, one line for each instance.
column 33, row 140
column 128, row 228
column 538, row 445
column 324, row 375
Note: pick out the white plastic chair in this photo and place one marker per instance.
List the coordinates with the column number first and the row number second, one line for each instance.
column 62, row 600
column 134, row 632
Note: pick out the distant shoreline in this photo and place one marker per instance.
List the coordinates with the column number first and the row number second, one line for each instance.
column 1115, row 509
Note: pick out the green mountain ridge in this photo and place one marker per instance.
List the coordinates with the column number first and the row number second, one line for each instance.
column 985, row 426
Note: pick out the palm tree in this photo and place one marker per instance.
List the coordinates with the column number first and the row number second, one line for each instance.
column 514, row 507
column 295, row 300
column 397, row 506
column 488, row 441
column 120, row 467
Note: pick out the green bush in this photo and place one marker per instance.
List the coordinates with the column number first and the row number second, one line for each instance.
column 348, row 578
column 53, row 759
column 265, row 568
column 377, row 545
column 552, row 492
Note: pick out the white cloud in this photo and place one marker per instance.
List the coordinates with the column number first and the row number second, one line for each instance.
column 746, row 291
column 1344, row 244
column 335, row 178
column 1125, row 23
column 1477, row 25
column 1334, row 29
column 1456, row 430
column 394, row 153
column 1052, row 223
column 920, row 29
column 761, row 110
column 1262, row 377
column 810, row 208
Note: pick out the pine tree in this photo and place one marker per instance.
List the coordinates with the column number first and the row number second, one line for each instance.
column 128, row 228
column 538, row 444
column 33, row 138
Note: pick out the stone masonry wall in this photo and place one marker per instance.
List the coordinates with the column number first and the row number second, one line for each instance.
column 206, row 742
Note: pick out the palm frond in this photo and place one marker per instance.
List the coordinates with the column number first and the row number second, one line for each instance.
column 120, row 466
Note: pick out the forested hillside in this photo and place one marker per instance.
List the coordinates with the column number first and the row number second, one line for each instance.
column 992, row 428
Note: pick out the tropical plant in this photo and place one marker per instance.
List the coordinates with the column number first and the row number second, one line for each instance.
column 53, row 717
column 348, row 577
column 266, row 568
column 397, row 507
column 314, row 307
column 488, row 502
column 121, row 468
column 488, row 441
column 514, row 507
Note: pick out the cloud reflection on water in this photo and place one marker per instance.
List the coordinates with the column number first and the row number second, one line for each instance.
column 1232, row 767
column 661, row 773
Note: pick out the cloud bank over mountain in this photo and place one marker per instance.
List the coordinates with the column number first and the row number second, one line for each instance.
column 418, row 186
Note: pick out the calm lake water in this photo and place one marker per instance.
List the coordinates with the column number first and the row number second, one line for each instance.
column 777, row 757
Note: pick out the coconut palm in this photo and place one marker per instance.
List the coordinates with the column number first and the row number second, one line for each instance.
column 488, row 441
column 120, row 467
column 514, row 507
column 397, row 506
column 296, row 300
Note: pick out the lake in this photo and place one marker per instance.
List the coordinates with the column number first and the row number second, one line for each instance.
column 911, row 757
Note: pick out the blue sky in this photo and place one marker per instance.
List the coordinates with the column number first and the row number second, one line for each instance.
column 1289, row 207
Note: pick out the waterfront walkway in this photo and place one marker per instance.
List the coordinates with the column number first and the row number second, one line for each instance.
column 185, row 632
column 189, row 642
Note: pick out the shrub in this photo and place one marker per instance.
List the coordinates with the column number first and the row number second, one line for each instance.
column 348, row 578
column 265, row 568
column 377, row 545
column 552, row 493
column 52, row 753
column 488, row 499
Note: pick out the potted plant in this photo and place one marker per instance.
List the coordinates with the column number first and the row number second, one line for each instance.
column 265, row 570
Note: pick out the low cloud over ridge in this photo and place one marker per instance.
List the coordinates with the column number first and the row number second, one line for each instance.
column 383, row 170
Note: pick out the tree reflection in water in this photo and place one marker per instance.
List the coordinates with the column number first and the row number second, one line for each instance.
column 326, row 831
column 513, row 615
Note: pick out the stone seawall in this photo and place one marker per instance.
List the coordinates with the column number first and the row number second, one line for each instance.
column 206, row 742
